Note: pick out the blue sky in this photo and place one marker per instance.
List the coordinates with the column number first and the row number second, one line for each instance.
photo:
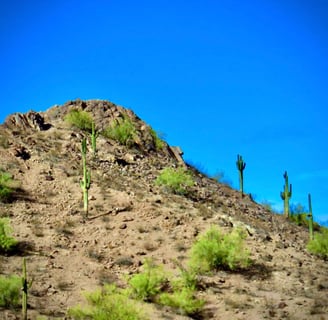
column 218, row 78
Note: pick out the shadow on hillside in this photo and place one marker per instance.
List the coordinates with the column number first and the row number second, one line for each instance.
column 256, row 271
column 21, row 195
column 21, row 249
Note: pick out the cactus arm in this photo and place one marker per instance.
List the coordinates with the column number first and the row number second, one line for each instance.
column 310, row 216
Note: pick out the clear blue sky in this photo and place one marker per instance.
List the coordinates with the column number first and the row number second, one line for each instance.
column 219, row 78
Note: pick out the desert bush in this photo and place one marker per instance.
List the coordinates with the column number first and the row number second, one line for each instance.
column 7, row 242
column 213, row 250
column 79, row 119
column 110, row 303
column 159, row 143
column 175, row 180
column 147, row 284
column 4, row 142
column 299, row 215
column 183, row 300
column 10, row 289
column 7, row 186
column 122, row 131
column 220, row 177
column 319, row 245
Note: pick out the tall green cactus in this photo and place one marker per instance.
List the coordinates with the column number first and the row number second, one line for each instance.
column 86, row 182
column 241, row 166
column 310, row 216
column 94, row 136
column 26, row 285
column 286, row 195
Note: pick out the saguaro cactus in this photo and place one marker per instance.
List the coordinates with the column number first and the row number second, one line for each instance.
column 94, row 136
column 241, row 166
column 26, row 285
column 310, row 216
column 286, row 195
column 86, row 182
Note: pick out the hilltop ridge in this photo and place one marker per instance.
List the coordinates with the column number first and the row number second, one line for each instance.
column 131, row 218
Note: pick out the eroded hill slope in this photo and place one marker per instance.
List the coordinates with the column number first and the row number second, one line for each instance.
column 131, row 218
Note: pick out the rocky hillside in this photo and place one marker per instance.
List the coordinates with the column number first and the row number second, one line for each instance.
column 131, row 218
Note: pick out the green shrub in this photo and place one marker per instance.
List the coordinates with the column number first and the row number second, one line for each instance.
column 301, row 219
column 7, row 186
column 159, row 143
column 183, row 299
column 7, row 242
column 10, row 291
column 175, row 180
column 147, row 284
column 220, row 177
column 79, row 119
column 319, row 245
column 188, row 278
column 213, row 250
column 108, row 304
column 122, row 131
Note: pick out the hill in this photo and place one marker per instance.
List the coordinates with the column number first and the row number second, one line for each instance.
column 131, row 218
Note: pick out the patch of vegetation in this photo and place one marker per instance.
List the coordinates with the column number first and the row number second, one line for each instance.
column 7, row 186
column 10, row 291
column 122, row 130
column 79, row 119
column 175, row 180
column 110, row 303
column 319, row 245
column 159, row 143
column 269, row 206
column 220, row 177
column 299, row 215
column 183, row 300
column 7, row 242
column 147, row 284
column 4, row 142
column 214, row 250
column 124, row 261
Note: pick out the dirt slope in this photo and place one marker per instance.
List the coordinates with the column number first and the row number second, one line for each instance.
column 130, row 219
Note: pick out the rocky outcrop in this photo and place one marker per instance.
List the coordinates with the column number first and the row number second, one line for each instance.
column 30, row 120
